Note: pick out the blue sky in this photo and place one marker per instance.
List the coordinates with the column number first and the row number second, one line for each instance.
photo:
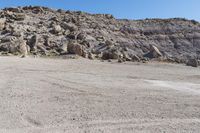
column 130, row 9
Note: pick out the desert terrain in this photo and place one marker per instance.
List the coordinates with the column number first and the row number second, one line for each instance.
column 42, row 95
column 42, row 31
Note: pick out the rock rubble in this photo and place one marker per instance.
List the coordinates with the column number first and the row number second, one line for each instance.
column 46, row 32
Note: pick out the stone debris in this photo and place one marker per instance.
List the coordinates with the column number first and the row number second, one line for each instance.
column 49, row 32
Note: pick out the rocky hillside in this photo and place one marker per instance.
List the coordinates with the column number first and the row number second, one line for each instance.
column 43, row 31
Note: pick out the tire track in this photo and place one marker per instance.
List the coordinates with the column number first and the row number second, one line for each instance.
column 109, row 125
column 73, row 90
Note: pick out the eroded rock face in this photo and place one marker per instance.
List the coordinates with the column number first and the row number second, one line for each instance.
column 49, row 31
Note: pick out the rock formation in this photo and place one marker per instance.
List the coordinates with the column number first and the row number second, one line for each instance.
column 57, row 32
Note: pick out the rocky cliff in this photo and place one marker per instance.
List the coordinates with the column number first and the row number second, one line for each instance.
column 44, row 31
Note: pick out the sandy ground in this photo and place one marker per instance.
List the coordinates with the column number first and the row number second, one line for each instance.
column 57, row 96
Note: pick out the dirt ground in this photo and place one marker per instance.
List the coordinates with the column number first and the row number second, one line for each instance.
column 39, row 95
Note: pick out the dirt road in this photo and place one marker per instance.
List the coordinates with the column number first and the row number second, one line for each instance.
column 56, row 96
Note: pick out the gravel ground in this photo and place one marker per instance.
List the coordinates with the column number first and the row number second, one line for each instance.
column 39, row 95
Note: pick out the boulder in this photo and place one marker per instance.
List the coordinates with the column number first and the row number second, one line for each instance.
column 85, row 54
column 116, row 54
column 75, row 48
column 33, row 42
column 109, row 16
column 42, row 49
column 66, row 32
column 72, row 35
column 15, row 47
column 81, row 36
column 135, row 58
column 7, row 47
column 47, row 41
column 193, row 63
column 111, row 55
column 105, row 55
column 17, row 33
column 154, row 52
column 23, row 48
column 90, row 56
column 109, row 43
column 63, row 49
column 126, row 57
column 37, row 10
column 2, row 24
column 90, row 38
column 69, row 26
column 19, row 16
column 100, row 38
column 56, row 29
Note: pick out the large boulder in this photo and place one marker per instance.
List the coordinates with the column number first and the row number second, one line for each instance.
column 111, row 55
column 109, row 43
column 15, row 47
column 81, row 36
column 7, row 39
column 154, row 52
column 33, row 42
column 8, row 47
column 193, row 63
column 63, row 49
column 126, row 56
column 75, row 48
column 23, row 48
